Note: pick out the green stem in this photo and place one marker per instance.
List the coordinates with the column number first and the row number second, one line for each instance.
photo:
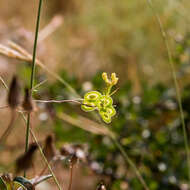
column 178, row 94
column 33, row 72
column 108, row 91
column 130, row 162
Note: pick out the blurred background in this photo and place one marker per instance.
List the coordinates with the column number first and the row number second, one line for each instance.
column 79, row 40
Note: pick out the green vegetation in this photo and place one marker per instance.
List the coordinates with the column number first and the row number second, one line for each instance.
column 129, row 131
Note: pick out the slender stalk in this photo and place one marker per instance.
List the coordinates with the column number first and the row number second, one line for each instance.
column 40, row 84
column 27, row 132
column 63, row 101
column 59, row 101
column 9, row 127
column 33, row 72
column 42, row 154
column 3, row 107
column 178, row 93
column 45, row 159
column 45, row 168
column 39, row 147
column 71, row 176
column 3, row 82
column 130, row 162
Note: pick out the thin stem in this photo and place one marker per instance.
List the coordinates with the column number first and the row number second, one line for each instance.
column 42, row 154
column 33, row 71
column 3, row 82
column 39, row 147
column 3, row 107
column 45, row 168
column 27, row 136
column 63, row 101
column 108, row 90
column 18, row 52
column 38, row 85
column 45, row 159
column 59, row 101
column 35, row 45
column 9, row 128
column 130, row 162
column 71, row 176
column 178, row 94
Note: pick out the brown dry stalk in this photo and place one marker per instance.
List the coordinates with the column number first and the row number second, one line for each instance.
column 4, row 84
column 9, row 128
column 54, row 23
column 15, row 51
column 71, row 176
column 86, row 124
column 9, row 52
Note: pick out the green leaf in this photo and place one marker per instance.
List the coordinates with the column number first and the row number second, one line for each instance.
column 89, row 106
column 92, row 96
column 91, row 100
column 103, row 103
column 106, row 113
column 106, row 117
column 111, row 111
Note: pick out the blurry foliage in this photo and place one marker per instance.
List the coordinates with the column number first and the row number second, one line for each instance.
column 114, row 34
column 110, row 34
column 148, row 127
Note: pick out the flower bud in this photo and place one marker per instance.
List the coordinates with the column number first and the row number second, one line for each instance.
column 114, row 79
column 27, row 103
column 25, row 161
column 49, row 149
column 14, row 93
column 105, row 78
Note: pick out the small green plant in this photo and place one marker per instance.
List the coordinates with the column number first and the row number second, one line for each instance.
column 94, row 100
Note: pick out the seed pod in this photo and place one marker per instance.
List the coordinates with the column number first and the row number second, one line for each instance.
column 64, row 151
column 14, row 93
column 27, row 103
column 49, row 149
column 101, row 186
column 24, row 162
